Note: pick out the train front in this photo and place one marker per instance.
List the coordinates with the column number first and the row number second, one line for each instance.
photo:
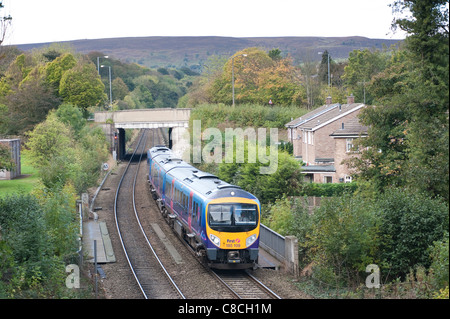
column 232, row 227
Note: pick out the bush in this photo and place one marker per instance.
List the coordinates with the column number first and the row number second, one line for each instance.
column 410, row 223
column 394, row 231
column 35, row 237
column 344, row 238
column 440, row 265
column 246, row 115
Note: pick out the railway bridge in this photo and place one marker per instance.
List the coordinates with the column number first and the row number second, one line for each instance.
column 115, row 123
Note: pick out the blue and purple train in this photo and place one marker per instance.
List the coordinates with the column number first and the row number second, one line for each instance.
column 218, row 220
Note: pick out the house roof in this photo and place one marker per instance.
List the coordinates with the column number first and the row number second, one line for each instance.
column 351, row 128
column 311, row 115
column 323, row 115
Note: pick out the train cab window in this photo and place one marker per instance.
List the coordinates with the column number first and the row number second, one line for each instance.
column 220, row 215
column 233, row 217
column 245, row 214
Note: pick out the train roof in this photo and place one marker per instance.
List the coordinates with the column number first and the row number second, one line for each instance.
column 209, row 185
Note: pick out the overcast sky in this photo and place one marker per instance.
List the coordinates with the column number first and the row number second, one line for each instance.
column 36, row 21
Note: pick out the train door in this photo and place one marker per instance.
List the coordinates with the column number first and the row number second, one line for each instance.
column 191, row 196
column 173, row 194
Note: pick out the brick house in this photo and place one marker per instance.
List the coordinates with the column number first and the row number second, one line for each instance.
column 323, row 138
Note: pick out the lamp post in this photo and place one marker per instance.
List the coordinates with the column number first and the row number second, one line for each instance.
column 232, row 73
column 110, row 89
column 98, row 62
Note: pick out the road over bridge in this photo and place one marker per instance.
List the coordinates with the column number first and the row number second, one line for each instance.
column 140, row 119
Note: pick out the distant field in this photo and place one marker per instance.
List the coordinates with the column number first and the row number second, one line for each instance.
column 25, row 183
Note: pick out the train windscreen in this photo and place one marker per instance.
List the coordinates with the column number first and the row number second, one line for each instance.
column 235, row 217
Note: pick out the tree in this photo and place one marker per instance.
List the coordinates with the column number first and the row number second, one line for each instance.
column 325, row 63
column 119, row 88
column 258, row 79
column 6, row 161
column 275, row 54
column 49, row 140
column 362, row 66
column 408, row 141
column 82, row 86
column 56, row 68
column 29, row 105
column 5, row 23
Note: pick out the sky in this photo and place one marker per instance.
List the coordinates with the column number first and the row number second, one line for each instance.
column 38, row 21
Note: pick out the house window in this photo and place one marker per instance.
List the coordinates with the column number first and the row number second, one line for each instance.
column 328, row 179
column 349, row 145
column 347, row 179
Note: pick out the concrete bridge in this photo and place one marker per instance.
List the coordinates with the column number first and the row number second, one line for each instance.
column 139, row 119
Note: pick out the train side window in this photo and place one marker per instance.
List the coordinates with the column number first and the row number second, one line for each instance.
column 194, row 210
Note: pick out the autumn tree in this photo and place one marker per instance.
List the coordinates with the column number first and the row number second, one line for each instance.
column 82, row 86
column 258, row 78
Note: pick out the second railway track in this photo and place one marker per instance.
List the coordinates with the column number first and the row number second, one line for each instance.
column 153, row 279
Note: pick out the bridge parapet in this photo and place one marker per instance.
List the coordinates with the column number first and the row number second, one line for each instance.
column 145, row 118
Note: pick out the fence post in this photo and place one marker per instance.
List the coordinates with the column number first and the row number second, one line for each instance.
column 291, row 255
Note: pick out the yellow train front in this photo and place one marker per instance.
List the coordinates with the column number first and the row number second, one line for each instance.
column 232, row 229
column 218, row 220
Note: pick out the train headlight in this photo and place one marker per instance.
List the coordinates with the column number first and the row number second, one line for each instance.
column 250, row 240
column 215, row 240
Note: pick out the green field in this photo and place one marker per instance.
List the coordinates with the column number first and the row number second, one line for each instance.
column 24, row 183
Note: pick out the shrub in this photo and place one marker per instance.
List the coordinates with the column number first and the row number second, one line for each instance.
column 410, row 223
column 344, row 237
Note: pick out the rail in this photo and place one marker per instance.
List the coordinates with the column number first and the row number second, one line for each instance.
column 142, row 286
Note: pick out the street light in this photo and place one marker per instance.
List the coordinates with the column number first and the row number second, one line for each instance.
column 232, row 72
column 98, row 62
column 110, row 89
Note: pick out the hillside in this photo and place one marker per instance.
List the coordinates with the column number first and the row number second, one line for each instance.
column 194, row 51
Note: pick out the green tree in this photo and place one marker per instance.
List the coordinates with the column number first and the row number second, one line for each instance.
column 362, row 66
column 82, row 86
column 49, row 138
column 119, row 88
column 56, row 68
column 6, row 161
column 72, row 115
column 410, row 223
column 344, row 239
column 29, row 104
column 408, row 137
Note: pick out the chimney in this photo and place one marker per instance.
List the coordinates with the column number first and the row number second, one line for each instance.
column 350, row 99
column 328, row 101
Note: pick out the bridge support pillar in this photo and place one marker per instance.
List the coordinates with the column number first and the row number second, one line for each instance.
column 170, row 137
column 121, row 144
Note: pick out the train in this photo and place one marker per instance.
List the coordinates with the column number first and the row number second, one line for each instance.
column 219, row 221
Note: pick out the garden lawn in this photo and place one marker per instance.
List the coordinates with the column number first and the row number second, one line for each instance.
column 24, row 183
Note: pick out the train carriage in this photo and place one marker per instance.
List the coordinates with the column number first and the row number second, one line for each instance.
column 219, row 221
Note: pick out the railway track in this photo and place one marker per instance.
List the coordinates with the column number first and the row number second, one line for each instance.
column 243, row 285
column 151, row 276
column 240, row 284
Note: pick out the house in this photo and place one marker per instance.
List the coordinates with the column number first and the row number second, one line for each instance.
column 324, row 137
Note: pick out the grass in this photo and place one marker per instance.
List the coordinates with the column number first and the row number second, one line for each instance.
column 22, row 184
